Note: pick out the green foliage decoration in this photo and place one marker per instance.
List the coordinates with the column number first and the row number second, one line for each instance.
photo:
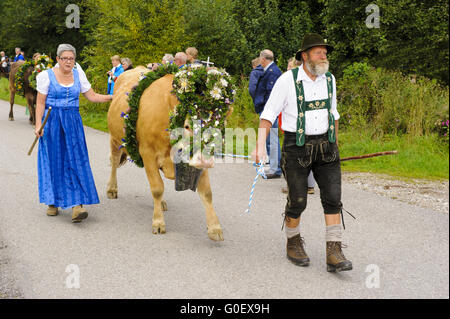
column 131, row 116
column 19, row 78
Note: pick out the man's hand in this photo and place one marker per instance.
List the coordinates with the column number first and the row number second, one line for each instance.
column 259, row 155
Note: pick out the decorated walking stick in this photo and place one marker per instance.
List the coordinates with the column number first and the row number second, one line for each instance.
column 40, row 131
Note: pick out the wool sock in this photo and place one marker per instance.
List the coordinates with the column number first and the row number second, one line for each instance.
column 291, row 232
column 334, row 233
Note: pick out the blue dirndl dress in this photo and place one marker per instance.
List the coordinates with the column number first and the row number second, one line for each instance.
column 64, row 172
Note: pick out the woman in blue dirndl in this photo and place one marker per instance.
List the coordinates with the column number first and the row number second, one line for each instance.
column 64, row 174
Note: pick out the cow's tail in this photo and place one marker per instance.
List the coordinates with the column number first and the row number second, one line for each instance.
column 123, row 159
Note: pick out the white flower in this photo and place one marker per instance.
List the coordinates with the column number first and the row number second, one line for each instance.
column 180, row 73
column 216, row 93
column 224, row 82
column 196, row 66
column 213, row 71
column 184, row 85
column 216, row 123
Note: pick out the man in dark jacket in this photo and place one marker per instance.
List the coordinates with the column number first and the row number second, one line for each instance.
column 255, row 76
column 263, row 90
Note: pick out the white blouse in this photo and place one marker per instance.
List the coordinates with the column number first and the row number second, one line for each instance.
column 43, row 81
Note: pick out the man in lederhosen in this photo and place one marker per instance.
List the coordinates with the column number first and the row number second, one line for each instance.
column 306, row 96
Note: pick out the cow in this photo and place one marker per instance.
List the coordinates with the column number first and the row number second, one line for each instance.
column 30, row 93
column 154, row 145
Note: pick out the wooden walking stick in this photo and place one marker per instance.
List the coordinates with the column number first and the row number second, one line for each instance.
column 368, row 155
column 40, row 131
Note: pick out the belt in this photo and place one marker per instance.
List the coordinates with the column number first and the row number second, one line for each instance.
column 291, row 135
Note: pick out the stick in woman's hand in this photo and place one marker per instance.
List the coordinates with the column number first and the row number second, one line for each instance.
column 40, row 131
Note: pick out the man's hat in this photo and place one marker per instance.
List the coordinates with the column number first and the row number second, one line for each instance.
column 312, row 40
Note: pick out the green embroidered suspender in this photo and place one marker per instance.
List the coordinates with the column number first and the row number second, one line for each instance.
column 303, row 106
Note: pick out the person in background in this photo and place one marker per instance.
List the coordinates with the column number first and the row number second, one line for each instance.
column 4, row 62
column 255, row 76
column 180, row 59
column 36, row 57
column 263, row 91
column 167, row 58
column 114, row 73
column 192, row 54
column 127, row 64
column 19, row 55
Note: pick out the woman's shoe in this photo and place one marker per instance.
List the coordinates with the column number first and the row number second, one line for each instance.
column 52, row 210
column 78, row 214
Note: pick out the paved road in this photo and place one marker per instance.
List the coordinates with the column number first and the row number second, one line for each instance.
column 118, row 257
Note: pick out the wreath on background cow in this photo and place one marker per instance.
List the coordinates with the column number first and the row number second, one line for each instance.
column 42, row 64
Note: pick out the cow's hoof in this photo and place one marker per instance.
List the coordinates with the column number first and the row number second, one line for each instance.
column 163, row 206
column 158, row 228
column 215, row 234
column 112, row 194
column 11, row 119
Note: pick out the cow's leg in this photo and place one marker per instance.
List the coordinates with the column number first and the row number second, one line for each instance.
column 30, row 103
column 212, row 222
column 114, row 158
column 11, row 102
column 157, row 189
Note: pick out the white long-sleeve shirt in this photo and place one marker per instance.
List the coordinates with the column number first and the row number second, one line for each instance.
column 283, row 99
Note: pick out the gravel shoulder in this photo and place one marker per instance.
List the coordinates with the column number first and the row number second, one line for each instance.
column 429, row 194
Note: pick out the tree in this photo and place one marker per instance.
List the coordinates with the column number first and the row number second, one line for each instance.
column 412, row 38
column 38, row 26
column 140, row 30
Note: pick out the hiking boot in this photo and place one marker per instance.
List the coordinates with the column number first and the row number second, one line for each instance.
column 52, row 210
column 336, row 260
column 78, row 214
column 295, row 251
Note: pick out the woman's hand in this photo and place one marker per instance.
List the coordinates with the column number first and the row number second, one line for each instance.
column 38, row 134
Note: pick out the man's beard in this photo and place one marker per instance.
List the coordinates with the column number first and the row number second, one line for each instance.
column 317, row 68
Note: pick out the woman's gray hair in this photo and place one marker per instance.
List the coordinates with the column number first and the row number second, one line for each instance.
column 127, row 61
column 65, row 47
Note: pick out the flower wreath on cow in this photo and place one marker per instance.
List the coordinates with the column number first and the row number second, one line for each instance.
column 44, row 63
column 205, row 96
